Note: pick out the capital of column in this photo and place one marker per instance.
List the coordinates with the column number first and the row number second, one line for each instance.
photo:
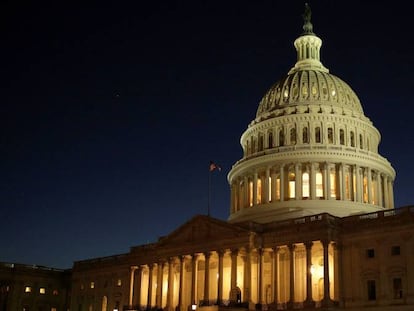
column 308, row 245
column 133, row 268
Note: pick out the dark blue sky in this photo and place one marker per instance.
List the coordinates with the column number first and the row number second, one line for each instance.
column 110, row 113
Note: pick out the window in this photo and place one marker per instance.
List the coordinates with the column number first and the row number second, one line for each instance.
column 370, row 253
column 291, row 186
column 260, row 143
column 397, row 288
column 352, row 139
column 55, row 292
column 259, row 191
column 277, row 189
column 53, row 309
column 305, row 185
column 341, row 137
column 319, row 185
column 372, row 295
column 395, row 250
column 42, row 290
column 333, row 184
column 347, row 184
column 292, row 136
column 281, row 138
column 330, row 135
column 305, row 135
column 28, row 289
column 92, row 285
column 119, row 282
column 270, row 140
column 250, row 193
column 361, row 143
column 269, row 189
column 318, row 134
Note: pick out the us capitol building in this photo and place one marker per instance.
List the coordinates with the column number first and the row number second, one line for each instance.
column 312, row 223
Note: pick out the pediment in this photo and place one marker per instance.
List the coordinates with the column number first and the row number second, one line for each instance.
column 203, row 229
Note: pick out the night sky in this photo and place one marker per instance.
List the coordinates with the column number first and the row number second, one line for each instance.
column 110, row 113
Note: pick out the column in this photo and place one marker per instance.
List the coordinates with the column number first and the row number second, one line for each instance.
column 255, row 188
column 193, row 278
column 220, row 255
column 391, row 194
column 326, row 292
column 358, row 184
column 342, row 183
column 260, row 274
column 181, row 285
column 150, row 276
column 379, row 189
column 233, row 283
column 292, row 276
column 159, row 285
column 137, row 287
column 309, row 300
column 312, row 181
column 337, row 272
column 273, row 191
column 276, row 275
column 247, row 276
column 246, row 192
column 327, row 183
column 386, row 197
column 207, row 279
column 282, row 182
column 369, row 181
column 298, row 182
column 131, row 285
column 266, row 186
column 170, row 284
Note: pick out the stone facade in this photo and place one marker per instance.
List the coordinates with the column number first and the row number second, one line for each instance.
column 37, row 288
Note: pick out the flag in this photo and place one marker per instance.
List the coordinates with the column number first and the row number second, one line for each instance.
column 214, row 166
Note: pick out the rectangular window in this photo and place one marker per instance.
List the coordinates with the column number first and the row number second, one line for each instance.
column 259, row 191
column 333, row 184
column 370, row 253
column 278, row 189
column 397, row 288
column 319, row 185
column 395, row 250
column 92, row 285
column 42, row 290
column 251, row 193
column 372, row 294
column 269, row 189
column 119, row 282
column 28, row 289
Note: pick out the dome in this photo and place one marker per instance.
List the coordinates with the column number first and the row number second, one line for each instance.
column 310, row 149
column 304, row 87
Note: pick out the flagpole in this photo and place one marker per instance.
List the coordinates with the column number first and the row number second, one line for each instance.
column 209, row 192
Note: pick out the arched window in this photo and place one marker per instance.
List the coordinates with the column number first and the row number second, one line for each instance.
column 330, row 135
column 281, row 137
column 317, row 134
column 305, row 135
column 291, row 186
column 260, row 147
column 342, row 137
column 352, row 139
column 104, row 303
column 361, row 142
column 292, row 136
column 305, row 185
column 270, row 140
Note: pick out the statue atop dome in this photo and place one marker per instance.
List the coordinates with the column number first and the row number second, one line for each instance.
column 307, row 25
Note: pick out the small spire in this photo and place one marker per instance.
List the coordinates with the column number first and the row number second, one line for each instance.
column 307, row 25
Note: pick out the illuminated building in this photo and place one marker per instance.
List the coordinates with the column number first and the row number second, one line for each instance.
column 312, row 221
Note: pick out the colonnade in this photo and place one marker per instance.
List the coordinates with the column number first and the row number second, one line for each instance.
column 299, row 274
column 312, row 181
